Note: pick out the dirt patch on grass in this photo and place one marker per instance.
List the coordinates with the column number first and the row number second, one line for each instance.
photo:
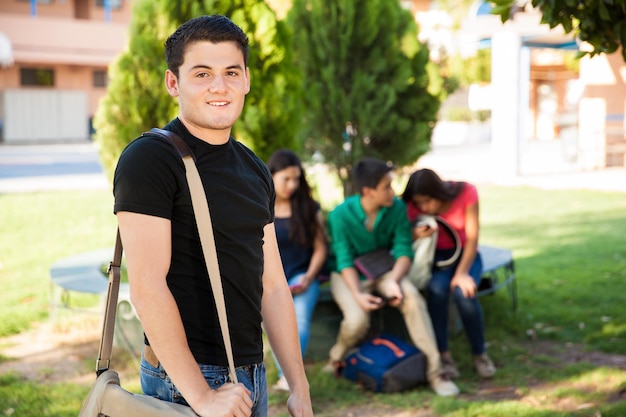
column 65, row 352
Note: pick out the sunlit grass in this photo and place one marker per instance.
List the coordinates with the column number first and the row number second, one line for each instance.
column 570, row 257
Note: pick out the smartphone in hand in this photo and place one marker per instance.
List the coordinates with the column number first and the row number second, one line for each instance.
column 385, row 300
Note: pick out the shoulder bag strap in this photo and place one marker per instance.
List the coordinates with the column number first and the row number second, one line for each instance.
column 207, row 240
column 108, row 324
column 457, row 243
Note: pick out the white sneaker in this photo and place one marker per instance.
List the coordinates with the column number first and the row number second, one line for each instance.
column 443, row 386
column 281, row 385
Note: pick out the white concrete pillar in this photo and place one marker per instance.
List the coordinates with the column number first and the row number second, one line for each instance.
column 592, row 136
column 506, row 82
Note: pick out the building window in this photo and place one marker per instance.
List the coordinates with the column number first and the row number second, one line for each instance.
column 114, row 4
column 100, row 79
column 37, row 77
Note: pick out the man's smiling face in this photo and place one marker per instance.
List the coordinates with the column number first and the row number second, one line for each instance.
column 211, row 88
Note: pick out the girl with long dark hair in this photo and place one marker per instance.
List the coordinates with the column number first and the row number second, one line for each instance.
column 301, row 239
column 456, row 202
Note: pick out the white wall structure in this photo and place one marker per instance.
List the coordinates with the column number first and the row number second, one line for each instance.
column 505, row 113
column 44, row 116
column 511, row 118
column 592, row 138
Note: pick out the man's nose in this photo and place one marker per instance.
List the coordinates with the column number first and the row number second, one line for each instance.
column 218, row 84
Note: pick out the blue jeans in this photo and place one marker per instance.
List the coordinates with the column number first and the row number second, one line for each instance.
column 156, row 383
column 469, row 308
column 304, row 304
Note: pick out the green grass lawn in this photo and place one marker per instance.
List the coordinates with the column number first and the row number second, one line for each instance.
column 570, row 257
column 37, row 230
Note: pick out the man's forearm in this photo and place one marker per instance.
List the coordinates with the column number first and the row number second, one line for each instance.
column 401, row 268
column 351, row 278
column 161, row 321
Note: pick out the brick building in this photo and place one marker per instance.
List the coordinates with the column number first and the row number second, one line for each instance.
column 54, row 56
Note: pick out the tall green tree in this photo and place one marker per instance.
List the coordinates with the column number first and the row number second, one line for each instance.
column 365, row 80
column 601, row 23
column 136, row 98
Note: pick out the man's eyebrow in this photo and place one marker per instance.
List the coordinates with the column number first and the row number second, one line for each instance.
column 208, row 67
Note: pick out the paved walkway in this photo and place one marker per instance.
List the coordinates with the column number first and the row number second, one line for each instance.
column 474, row 163
column 30, row 168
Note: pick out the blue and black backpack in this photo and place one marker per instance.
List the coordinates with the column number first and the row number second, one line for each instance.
column 386, row 363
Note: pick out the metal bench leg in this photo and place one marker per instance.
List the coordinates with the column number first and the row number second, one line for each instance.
column 513, row 293
column 56, row 301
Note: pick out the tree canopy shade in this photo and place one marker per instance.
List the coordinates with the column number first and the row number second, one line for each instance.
column 365, row 80
column 600, row 23
column 136, row 98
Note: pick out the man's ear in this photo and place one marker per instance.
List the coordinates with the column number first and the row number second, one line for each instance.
column 248, row 80
column 171, row 83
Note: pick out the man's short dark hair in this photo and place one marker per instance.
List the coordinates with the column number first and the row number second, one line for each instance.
column 214, row 29
column 368, row 172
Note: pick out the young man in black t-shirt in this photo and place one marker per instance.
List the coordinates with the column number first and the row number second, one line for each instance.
column 184, row 358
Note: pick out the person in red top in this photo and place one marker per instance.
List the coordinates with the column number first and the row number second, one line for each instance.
column 456, row 202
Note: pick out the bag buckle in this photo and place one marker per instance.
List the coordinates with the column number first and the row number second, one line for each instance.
column 102, row 369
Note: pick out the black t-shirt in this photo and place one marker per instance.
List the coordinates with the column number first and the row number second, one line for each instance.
column 150, row 179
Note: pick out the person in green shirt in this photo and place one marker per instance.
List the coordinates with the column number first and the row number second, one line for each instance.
column 375, row 219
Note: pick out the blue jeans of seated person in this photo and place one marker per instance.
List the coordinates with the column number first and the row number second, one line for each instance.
column 156, row 383
column 304, row 304
column 469, row 308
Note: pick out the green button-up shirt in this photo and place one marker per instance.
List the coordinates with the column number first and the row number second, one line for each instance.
column 350, row 237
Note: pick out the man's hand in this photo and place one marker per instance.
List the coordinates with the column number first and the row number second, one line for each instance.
column 299, row 407
column 229, row 400
column 391, row 291
column 369, row 302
